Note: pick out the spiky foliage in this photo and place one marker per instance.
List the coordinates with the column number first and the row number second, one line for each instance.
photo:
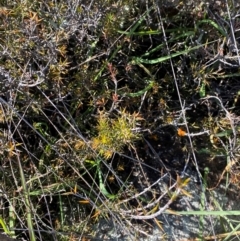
column 114, row 134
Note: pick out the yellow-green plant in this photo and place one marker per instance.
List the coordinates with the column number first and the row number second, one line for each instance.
column 113, row 134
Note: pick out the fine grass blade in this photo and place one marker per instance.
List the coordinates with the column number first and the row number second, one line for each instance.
column 136, row 60
column 212, row 213
column 28, row 205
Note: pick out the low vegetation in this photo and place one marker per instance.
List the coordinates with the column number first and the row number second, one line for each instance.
column 109, row 109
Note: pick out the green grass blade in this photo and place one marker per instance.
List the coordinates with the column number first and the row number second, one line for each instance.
column 141, row 92
column 4, row 226
column 215, row 25
column 212, row 213
column 102, row 187
column 28, row 205
column 137, row 60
